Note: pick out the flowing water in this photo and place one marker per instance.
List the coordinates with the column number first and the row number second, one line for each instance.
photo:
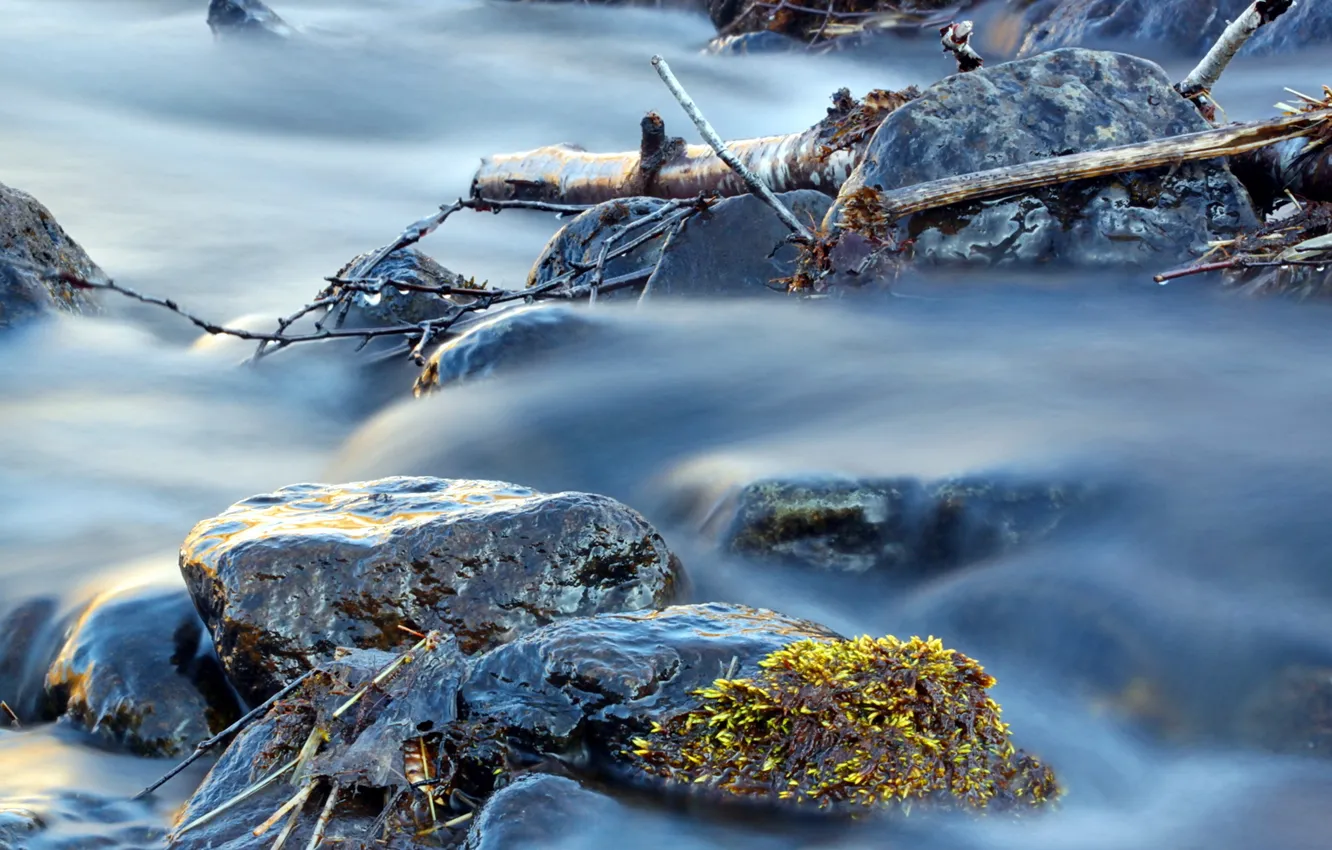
column 233, row 179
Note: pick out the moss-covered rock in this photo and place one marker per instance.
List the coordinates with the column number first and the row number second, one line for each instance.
column 861, row 723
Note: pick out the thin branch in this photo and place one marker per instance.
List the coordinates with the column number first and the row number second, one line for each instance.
column 1207, row 144
column 204, row 746
column 1202, row 78
column 757, row 186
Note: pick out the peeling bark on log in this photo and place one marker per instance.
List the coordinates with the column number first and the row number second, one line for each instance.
column 576, row 176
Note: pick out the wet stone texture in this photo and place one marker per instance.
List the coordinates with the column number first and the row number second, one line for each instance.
column 139, row 672
column 733, row 249
column 33, row 632
column 900, row 527
column 1182, row 27
column 400, row 306
column 248, row 19
column 513, row 339
column 538, row 810
column 284, row 578
column 1061, row 102
column 30, row 234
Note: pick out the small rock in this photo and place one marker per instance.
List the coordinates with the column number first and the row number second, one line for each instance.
column 246, row 19
column 30, row 234
column 1060, row 102
column 393, row 305
column 281, row 579
column 902, row 527
column 537, row 810
column 138, row 671
column 733, row 249
column 510, row 340
column 1178, row 26
column 18, row 825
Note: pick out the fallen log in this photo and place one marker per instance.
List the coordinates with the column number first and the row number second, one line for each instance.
column 820, row 158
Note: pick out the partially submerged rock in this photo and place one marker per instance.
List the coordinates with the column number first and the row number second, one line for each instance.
column 537, row 810
column 1187, row 27
column 735, row 248
column 510, row 340
column 281, row 579
column 401, row 305
column 30, row 234
column 138, row 672
column 246, row 19
column 904, row 527
column 34, row 631
column 1061, row 102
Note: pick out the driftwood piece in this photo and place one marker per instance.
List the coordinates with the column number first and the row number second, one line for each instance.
column 1207, row 144
column 956, row 38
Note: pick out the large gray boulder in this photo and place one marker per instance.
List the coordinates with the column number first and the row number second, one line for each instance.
column 284, row 578
column 30, row 235
column 1061, row 102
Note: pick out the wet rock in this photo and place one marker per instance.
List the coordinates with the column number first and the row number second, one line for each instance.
column 393, row 305
column 18, row 825
column 249, row 19
column 580, row 689
column 574, row 249
column 1189, row 27
column 30, row 234
column 139, row 672
column 733, row 249
column 34, row 632
column 538, row 810
column 1060, row 102
column 1290, row 713
column 901, row 527
column 753, row 42
column 510, row 340
column 281, row 579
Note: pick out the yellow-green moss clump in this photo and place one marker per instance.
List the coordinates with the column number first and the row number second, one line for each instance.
column 859, row 722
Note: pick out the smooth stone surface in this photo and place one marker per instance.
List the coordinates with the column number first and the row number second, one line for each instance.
column 538, row 810
column 734, row 249
column 1060, row 102
column 904, row 527
column 282, row 579
column 29, row 233
column 515, row 338
column 34, row 631
column 139, row 672
column 581, row 688
column 723, row 252
column 399, row 306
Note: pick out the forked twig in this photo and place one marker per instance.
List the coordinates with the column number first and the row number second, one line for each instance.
column 757, row 186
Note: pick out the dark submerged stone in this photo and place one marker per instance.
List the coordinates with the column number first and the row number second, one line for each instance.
column 249, row 19
column 33, row 632
column 510, row 340
column 282, row 579
column 537, row 810
column 903, row 527
column 1061, row 102
column 30, row 234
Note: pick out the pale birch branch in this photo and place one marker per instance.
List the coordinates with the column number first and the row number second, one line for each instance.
column 1202, row 78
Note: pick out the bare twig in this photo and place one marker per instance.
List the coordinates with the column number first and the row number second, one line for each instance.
column 297, row 800
column 325, row 815
column 237, row 800
column 204, row 746
column 13, row 718
column 1207, row 144
column 956, row 38
column 1201, row 79
column 757, row 186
